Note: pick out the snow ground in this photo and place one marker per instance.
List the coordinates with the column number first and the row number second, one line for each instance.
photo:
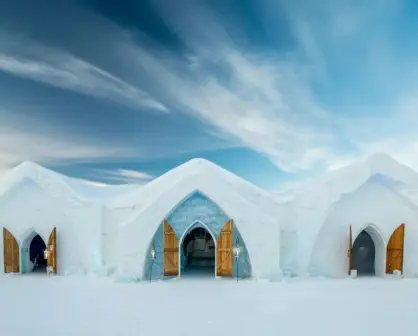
column 80, row 306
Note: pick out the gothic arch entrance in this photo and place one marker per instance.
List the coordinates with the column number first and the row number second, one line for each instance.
column 167, row 244
column 32, row 251
column 197, row 249
column 364, row 254
column 367, row 252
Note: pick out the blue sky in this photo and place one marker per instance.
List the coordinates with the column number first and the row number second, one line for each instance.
column 273, row 90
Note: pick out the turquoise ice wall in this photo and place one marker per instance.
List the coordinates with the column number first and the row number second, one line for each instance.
column 157, row 264
column 24, row 254
column 196, row 207
column 244, row 264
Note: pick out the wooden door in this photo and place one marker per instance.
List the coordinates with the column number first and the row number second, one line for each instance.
column 350, row 250
column 224, row 255
column 394, row 250
column 11, row 253
column 52, row 251
column 171, row 251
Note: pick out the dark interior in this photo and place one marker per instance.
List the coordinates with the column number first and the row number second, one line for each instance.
column 199, row 251
column 36, row 254
column 363, row 254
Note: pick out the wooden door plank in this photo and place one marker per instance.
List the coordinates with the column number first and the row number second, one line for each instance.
column 52, row 250
column 224, row 254
column 395, row 250
column 10, row 253
column 171, row 251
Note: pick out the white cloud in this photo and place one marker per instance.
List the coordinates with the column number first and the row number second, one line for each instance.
column 133, row 174
column 23, row 57
column 124, row 176
column 48, row 143
column 263, row 102
column 54, row 143
column 93, row 183
column 266, row 101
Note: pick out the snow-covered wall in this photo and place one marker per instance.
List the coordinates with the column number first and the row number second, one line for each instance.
column 289, row 252
column 379, row 210
column 110, row 232
column 27, row 208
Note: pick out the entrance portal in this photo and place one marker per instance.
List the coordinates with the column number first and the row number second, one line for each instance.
column 364, row 254
column 32, row 254
column 198, row 253
column 36, row 254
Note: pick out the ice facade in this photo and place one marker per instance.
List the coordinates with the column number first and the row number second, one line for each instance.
column 191, row 213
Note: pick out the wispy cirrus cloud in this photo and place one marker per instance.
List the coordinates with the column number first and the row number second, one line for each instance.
column 23, row 57
column 257, row 98
column 313, row 104
column 252, row 98
column 127, row 176
column 29, row 139
column 269, row 100
column 52, row 148
column 93, row 183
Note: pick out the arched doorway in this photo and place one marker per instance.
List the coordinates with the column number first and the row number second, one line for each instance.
column 36, row 254
column 32, row 254
column 364, row 254
column 166, row 245
column 198, row 252
column 368, row 252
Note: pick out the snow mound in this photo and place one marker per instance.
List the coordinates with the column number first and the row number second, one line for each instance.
column 98, row 191
column 58, row 185
column 48, row 180
column 321, row 193
column 203, row 169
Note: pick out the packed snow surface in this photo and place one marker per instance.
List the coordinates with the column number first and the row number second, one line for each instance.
column 81, row 306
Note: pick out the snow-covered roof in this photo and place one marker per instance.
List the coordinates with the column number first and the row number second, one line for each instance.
column 204, row 169
column 58, row 185
column 328, row 189
column 301, row 207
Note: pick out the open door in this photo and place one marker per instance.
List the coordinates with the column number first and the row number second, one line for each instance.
column 11, row 253
column 171, row 251
column 350, row 251
column 394, row 250
column 52, row 251
column 224, row 256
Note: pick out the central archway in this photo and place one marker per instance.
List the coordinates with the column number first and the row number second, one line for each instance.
column 197, row 251
column 167, row 245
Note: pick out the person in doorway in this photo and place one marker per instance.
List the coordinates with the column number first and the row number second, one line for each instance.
column 35, row 261
column 46, row 253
